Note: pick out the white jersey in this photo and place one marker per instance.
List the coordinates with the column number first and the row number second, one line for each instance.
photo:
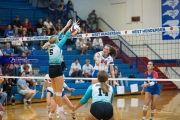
column 98, row 95
column 55, row 56
column 105, row 62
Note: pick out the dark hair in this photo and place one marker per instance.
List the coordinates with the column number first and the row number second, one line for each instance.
column 102, row 78
column 9, row 80
column 152, row 63
column 113, row 51
column 69, row 2
column 76, row 59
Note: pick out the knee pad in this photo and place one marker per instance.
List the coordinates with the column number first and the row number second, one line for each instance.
column 59, row 94
column 153, row 111
column 145, row 108
column 54, row 93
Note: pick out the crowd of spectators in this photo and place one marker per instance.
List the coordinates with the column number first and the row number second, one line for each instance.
column 49, row 26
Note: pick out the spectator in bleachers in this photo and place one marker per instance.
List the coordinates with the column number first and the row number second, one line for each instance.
column 61, row 10
column 9, row 32
column 83, row 28
column 28, row 26
column 87, row 41
column 75, row 70
column 70, row 11
column 52, row 10
column 59, row 28
column 7, row 88
column 21, row 46
column 41, row 42
column 17, row 26
column 92, row 19
column 23, row 89
column 97, row 44
column 28, row 70
column 8, row 51
column 3, row 95
column 39, row 26
column 11, row 71
column 49, row 26
column 81, row 46
column 59, row 24
column 87, row 69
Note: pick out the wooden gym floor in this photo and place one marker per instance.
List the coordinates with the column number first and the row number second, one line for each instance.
column 128, row 107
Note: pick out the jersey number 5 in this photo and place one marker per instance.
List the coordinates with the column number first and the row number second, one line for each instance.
column 100, row 94
column 51, row 51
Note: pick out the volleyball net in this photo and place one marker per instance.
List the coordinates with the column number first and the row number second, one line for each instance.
column 135, row 49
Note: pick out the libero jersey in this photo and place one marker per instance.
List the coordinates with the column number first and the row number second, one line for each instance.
column 55, row 54
column 105, row 62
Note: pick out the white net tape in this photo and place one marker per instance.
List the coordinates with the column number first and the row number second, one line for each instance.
column 100, row 34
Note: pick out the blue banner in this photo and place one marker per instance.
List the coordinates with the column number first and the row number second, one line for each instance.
column 170, row 17
column 24, row 60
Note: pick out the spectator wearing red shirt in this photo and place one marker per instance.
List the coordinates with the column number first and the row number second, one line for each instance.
column 27, row 25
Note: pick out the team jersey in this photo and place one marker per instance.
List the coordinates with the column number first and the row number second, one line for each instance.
column 55, row 54
column 105, row 62
column 94, row 91
column 151, row 78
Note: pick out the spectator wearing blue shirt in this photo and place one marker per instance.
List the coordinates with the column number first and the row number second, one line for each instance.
column 70, row 11
column 23, row 89
column 8, row 32
column 8, row 51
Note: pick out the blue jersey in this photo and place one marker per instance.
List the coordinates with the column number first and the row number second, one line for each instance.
column 151, row 78
column 94, row 91
column 55, row 51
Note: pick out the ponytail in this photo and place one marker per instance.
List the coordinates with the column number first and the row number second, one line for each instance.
column 113, row 51
column 104, row 87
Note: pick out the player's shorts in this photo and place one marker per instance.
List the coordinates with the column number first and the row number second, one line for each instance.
column 153, row 91
column 51, row 94
column 102, row 110
column 55, row 71
column 94, row 73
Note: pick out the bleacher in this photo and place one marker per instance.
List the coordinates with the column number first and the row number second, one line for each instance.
column 33, row 14
column 9, row 9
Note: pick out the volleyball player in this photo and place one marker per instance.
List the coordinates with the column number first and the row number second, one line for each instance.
column 49, row 97
column 103, row 60
column 54, row 47
column 102, row 97
column 152, row 90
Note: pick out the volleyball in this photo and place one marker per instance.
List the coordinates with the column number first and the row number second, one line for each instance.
column 75, row 28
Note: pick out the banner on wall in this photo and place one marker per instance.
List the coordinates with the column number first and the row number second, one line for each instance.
column 170, row 17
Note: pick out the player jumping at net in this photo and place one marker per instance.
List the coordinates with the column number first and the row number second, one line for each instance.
column 103, row 60
column 54, row 47
column 50, row 101
column 152, row 90
column 102, row 96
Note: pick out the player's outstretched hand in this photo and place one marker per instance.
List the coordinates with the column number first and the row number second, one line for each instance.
column 76, row 22
column 69, row 23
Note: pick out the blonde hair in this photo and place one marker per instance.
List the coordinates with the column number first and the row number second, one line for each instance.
column 102, row 78
column 53, row 39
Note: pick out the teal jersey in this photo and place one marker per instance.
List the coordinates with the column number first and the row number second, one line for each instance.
column 55, row 51
column 95, row 92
